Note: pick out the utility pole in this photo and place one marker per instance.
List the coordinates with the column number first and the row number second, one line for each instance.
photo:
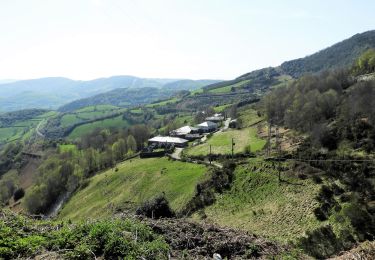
column 269, row 140
column 210, row 158
column 278, row 153
column 233, row 144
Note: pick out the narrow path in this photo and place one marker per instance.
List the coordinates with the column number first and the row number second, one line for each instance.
column 177, row 153
column 226, row 124
column 37, row 129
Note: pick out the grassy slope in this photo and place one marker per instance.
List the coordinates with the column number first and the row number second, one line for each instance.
column 135, row 182
column 249, row 116
column 88, row 113
column 221, row 142
column 257, row 203
column 221, row 108
column 163, row 103
column 228, row 88
column 107, row 123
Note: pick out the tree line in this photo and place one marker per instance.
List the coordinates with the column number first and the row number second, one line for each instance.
column 330, row 107
column 68, row 169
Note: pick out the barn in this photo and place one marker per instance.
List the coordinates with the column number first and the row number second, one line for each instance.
column 207, row 127
column 183, row 131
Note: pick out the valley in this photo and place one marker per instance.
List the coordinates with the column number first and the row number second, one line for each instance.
column 277, row 163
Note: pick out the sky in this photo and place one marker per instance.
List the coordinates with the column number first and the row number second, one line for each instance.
column 197, row 39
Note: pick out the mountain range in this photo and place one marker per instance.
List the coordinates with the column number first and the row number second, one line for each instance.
column 54, row 92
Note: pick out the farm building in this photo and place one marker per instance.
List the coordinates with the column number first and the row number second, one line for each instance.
column 207, row 127
column 168, row 140
column 216, row 118
column 183, row 131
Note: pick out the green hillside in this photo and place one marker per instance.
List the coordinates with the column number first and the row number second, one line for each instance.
column 221, row 142
column 116, row 122
column 257, row 202
column 136, row 181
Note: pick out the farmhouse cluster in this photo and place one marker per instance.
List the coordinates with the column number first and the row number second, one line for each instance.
column 180, row 137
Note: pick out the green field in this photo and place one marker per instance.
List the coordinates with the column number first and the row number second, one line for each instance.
column 47, row 114
column 97, row 108
column 249, row 116
column 69, row 119
column 257, row 203
column 135, row 181
column 116, row 122
column 219, row 109
column 221, row 142
column 63, row 148
column 22, row 128
column 197, row 91
column 228, row 88
column 9, row 134
column 88, row 113
column 163, row 103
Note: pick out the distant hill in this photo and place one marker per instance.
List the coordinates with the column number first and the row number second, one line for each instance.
column 188, row 84
column 124, row 97
column 53, row 92
column 339, row 55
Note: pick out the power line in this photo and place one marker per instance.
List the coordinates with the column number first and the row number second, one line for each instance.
column 324, row 160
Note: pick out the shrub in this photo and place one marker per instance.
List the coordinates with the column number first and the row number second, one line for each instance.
column 18, row 194
column 321, row 242
column 21, row 237
column 156, row 208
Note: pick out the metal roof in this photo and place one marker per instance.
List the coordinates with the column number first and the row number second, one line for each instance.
column 185, row 130
column 168, row 139
column 207, row 124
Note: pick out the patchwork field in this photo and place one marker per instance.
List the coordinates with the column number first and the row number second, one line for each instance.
column 135, row 181
column 88, row 113
column 116, row 122
column 163, row 103
column 258, row 203
column 221, row 142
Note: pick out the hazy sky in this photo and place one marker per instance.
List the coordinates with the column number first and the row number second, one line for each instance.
column 217, row 39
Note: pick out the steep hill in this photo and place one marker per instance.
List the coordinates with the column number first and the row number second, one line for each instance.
column 339, row 55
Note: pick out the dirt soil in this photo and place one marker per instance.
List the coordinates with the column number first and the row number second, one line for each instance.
column 364, row 251
column 201, row 240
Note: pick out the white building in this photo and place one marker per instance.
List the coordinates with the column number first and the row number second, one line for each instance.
column 207, row 126
column 164, row 140
column 183, row 131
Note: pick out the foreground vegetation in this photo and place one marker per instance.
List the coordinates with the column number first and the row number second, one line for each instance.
column 108, row 238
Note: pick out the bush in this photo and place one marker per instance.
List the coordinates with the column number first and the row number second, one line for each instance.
column 156, row 208
column 21, row 237
column 321, row 243
column 18, row 194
